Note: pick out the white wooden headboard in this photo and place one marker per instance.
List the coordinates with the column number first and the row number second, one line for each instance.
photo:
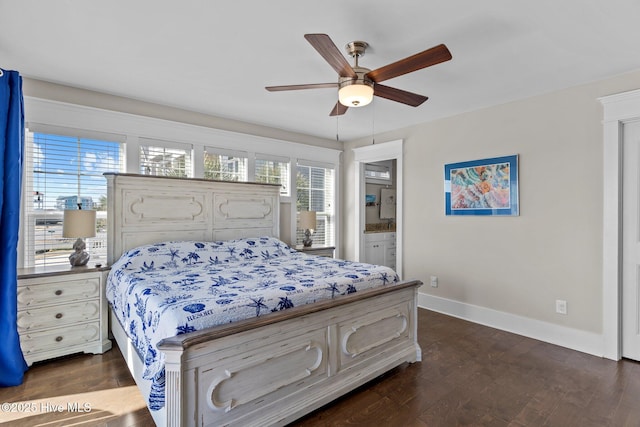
column 145, row 209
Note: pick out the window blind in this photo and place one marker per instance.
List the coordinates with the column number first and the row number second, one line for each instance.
column 270, row 170
column 315, row 192
column 225, row 165
column 62, row 171
column 165, row 158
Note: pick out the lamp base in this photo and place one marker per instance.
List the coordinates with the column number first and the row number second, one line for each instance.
column 306, row 242
column 80, row 257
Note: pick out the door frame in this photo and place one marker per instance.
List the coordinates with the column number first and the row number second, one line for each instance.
column 374, row 153
column 618, row 110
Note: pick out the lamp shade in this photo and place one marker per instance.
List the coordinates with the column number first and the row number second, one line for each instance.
column 79, row 223
column 308, row 220
column 355, row 95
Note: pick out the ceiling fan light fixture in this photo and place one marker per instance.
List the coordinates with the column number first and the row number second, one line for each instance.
column 355, row 93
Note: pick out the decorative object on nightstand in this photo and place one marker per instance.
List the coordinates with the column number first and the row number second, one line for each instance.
column 308, row 224
column 79, row 223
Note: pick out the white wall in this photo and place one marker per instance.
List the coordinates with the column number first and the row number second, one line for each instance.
column 55, row 92
column 505, row 269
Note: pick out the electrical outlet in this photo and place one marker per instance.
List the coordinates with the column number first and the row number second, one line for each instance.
column 561, row 306
column 434, row 281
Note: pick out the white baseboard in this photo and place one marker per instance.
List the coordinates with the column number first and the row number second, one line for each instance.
column 575, row 339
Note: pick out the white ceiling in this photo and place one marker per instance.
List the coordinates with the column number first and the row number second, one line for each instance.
column 216, row 57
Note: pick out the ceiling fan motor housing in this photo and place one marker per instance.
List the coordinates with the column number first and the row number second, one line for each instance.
column 356, row 48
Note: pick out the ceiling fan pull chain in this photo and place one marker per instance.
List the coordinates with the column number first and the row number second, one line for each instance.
column 337, row 128
column 373, row 124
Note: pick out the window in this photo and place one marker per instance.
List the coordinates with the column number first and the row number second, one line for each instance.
column 315, row 193
column 273, row 171
column 165, row 158
column 60, row 173
column 225, row 165
column 149, row 146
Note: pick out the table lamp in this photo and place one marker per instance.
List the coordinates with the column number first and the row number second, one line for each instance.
column 79, row 223
column 308, row 224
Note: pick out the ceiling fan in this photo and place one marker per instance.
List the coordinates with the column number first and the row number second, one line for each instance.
column 357, row 85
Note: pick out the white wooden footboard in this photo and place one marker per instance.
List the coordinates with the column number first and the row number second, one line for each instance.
column 290, row 363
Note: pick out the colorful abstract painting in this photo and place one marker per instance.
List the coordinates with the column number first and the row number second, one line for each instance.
column 482, row 187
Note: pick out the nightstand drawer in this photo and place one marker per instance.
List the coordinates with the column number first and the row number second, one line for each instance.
column 59, row 338
column 32, row 292
column 56, row 316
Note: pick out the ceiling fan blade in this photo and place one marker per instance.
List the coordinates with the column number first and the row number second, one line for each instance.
column 298, row 87
column 325, row 47
column 338, row 110
column 424, row 59
column 398, row 95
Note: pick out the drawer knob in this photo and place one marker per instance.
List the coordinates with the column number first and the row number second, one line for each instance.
column 58, row 338
column 59, row 316
column 58, row 292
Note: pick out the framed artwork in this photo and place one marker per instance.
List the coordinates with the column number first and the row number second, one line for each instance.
column 482, row 187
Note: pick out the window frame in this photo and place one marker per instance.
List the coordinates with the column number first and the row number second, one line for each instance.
column 333, row 218
column 286, row 190
column 29, row 216
column 171, row 145
column 229, row 153
column 133, row 128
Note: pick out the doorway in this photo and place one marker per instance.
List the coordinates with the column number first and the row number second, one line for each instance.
column 630, row 301
column 387, row 151
column 619, row 110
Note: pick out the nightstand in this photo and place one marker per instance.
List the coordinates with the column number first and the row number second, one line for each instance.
column 62, row 310
column 319, row 250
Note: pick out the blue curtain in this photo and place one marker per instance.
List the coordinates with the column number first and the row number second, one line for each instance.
column 12, row 364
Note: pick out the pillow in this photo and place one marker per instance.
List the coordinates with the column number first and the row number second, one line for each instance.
column 180, row 254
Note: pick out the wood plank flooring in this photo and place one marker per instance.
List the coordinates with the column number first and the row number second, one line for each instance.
column 471, row 375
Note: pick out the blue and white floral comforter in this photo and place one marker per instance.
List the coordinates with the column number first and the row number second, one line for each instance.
column 171, row 288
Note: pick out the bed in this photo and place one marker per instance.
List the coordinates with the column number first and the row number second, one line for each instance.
column 300, row 353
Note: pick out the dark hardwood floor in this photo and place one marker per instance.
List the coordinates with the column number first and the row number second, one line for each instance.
column 470, row 375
